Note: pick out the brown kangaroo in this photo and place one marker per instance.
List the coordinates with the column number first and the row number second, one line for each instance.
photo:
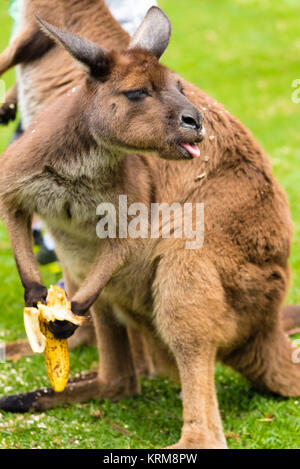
column 222, row 301
column 38, row 57
column 44, row 70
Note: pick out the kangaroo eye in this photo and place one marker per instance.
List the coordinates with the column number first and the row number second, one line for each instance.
column 136, row 95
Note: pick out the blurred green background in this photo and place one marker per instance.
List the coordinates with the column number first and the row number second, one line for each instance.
column 245, row 53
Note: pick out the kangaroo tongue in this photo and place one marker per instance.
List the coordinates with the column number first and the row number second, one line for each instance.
column 192, row 149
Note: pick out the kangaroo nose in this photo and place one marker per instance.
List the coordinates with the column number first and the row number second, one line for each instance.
column 191, row 122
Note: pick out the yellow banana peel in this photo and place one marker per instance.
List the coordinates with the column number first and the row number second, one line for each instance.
column 41, row 339
column 56, row 357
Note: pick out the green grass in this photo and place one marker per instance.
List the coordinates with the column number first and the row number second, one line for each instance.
column 246, row 54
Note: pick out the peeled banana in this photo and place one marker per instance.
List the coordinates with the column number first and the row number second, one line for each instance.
column 56, row 357
column 41, row 339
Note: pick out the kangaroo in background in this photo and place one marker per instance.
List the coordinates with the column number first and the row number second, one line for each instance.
column 44, row 70
column 221, row 301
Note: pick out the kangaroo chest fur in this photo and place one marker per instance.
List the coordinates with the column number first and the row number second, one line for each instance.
column 66, row 198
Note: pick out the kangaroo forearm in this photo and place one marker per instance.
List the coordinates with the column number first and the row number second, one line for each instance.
column 11, row 96
column 18, row 226
column 108, row 261
column 29, row 45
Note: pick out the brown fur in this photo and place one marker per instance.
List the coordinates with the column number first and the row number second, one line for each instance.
column 42, row 82
column 291, row 318
column 44, row 70
column 221, row 301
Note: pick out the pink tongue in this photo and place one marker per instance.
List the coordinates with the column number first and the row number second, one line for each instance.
column 192, row 149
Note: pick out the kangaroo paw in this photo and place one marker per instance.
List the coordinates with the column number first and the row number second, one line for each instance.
column 8, row 112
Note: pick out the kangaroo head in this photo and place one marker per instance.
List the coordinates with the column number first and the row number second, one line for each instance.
column 138, row 105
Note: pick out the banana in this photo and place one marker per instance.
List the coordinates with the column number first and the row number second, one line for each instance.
column 58, row 308
column 32, row 327
column 56, row 357
column 41, row 339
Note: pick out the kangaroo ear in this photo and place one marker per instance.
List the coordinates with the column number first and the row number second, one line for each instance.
column 93, row 58
column 154, row 33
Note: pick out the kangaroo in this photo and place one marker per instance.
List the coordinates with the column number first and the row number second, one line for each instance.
column 37, row 55
column 44, row 71
column 221, row 301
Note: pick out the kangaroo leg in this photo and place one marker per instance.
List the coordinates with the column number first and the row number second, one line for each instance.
column 28, row 45
column 142, row 361
column 8, row 110
column 18, row 225
column 191, row 317
column 202, row 427
column 150, row 355
column 150, row 358
column 116, row 373
column 84, row 335
column 160, row 359
column 270, row 362
column 291, row 319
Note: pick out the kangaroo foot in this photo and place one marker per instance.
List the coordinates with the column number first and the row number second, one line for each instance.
column 187, row 445
column 191, row 442
column 81, row 389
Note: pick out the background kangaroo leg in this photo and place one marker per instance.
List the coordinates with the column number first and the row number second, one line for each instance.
column 28, row 45
column 150, row 355
column 141, row 358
